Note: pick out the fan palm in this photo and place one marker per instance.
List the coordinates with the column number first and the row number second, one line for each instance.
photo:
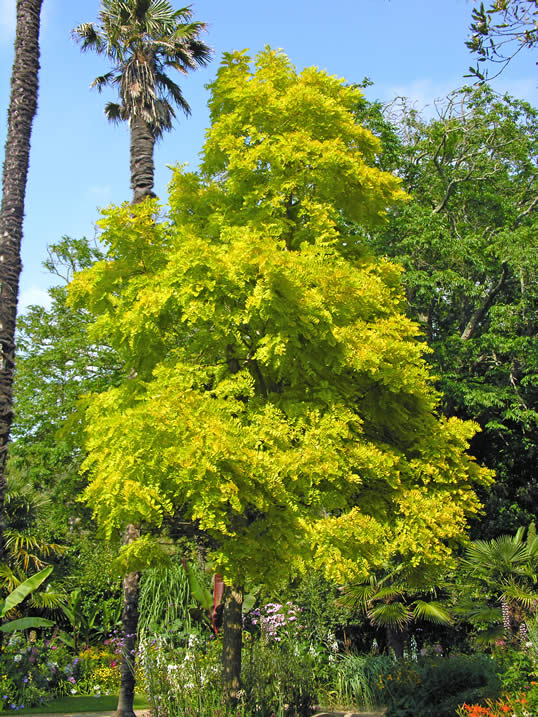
column 144, row 39
column 394, row 601
column 506, row 568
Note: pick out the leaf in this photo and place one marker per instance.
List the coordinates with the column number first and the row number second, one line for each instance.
column 26, row 623
column 24, row 589
column 431, row 612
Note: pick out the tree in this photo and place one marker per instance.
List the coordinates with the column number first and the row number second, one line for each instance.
column 56, row 365
column 394, row 599
column 22, row 108
column 502, row 570
column 276, row 395
column 468, row 245
column 501, row 31
column 144, row 39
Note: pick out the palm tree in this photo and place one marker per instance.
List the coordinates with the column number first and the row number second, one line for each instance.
column 394, row 600
column 22, row 108
column 144, row 39
column 506, row 570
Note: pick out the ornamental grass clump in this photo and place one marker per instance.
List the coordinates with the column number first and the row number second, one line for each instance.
column 358, row 679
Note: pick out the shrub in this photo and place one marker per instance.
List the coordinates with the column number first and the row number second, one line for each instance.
column 435, row 687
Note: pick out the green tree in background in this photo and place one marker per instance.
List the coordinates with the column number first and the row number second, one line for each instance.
column 468, row 243
column 57, row 364
column 276, row 395
column 144, row 40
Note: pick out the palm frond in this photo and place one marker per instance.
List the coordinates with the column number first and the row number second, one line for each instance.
column 143, row 38
column 114, row 112
column 503, row 554
column 480, row 614
column 89, row 38
column 103, row 80
column 49, row 599
column 489, row 636
column 173, row 91
column 431, row 612
column 394, row 614
column 8, row 579
column 520, row 594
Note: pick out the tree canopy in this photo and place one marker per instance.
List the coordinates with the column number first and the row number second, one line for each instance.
column 468, row 244
column 275, row 394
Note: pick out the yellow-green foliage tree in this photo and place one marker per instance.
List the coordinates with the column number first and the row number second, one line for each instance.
column 275, row 394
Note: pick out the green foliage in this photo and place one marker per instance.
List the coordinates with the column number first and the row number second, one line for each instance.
column 56, row 364
column 279, row 678
column 468, row 245
column 357, row 679
column 325, row 621
column 183, row 680
column 16, row 597
column 275, row 396
column 435, row 687
column 165, row 602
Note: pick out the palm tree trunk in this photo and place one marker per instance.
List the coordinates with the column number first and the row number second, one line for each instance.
column 22, row 108
column 130, row 627
column 396, row 641
column 142, row 167
column 232, row 638
column 142, row 144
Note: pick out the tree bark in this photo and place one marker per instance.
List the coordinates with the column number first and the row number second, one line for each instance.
column 130, row 628
column 232, row 638
column 21, row 112
column 478, row 314
column 396, row 641
column 142, row 167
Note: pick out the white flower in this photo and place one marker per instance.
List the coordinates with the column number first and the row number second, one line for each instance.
column 17, row 658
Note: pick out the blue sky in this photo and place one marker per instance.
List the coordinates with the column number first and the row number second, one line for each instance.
column 80, row 162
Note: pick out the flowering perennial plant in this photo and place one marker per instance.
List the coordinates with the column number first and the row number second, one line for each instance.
column 508, row 705
column 276, row 622
column 182, row 680
column 34, row 671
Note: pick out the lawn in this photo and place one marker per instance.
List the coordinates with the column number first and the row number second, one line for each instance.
column 78, row 704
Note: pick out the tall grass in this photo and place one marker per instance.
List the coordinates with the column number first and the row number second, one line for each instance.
column 357, row 679
column 164, row 602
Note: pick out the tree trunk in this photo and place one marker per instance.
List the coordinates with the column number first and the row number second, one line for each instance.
column 130, row 627
column 22, row 108
column 142, row 168
column 396, row 641
column 232, row 638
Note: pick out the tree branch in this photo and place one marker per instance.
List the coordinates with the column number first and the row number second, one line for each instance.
column 481, row 311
